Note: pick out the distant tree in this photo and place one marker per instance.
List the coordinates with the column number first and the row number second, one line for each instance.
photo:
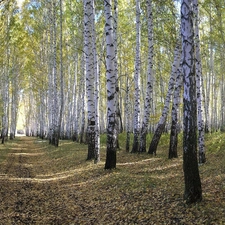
column 61, row 107
column 128, row 114
column 82, row 88
column 193, row 190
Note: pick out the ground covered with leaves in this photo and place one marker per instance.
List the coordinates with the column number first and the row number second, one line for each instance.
column 40, row 184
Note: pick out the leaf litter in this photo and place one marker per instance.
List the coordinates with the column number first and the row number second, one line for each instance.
column 58, row 186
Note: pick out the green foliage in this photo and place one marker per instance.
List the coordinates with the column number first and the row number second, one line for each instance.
column 215, row 142
column 3, row 153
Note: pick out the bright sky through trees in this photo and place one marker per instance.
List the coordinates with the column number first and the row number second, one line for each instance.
column 20, row 2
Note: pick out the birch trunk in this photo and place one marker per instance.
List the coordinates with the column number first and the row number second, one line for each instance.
column 55, row 104
column 89, row 62
column 135, row 147
column 174, row 114
column 5, row 117
column 51, row 76
column 149, row 87
column 222, row 88
column 61, row 110
column 127, row 113
column 5, row 84
column 115, row 17
column 198, row 68
column 75, row 100
column 111, row 89
column 96, row 73
column 14, row 105
column 162, row 122
column 69, row 103
column 193, row 191
column 42, row 114
column 83, row 91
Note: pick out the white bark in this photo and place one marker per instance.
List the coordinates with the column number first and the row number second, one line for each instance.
column 111, row 88
column 55, row 104
column 89, row 62
column 149, row 87
column 14, row 101
column 174, row 114
column 61, row 107
column 137, row 79
column 198, row 69
column 74, row 100
column 5, row 98
column 83, row 96
column 96, row 73
column 128, row 114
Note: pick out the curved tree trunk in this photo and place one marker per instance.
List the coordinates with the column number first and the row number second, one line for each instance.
column 162, row 122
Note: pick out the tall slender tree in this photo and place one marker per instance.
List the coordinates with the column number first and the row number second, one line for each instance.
column 111, row 89
column 96, row 73
column 137, row 72
column 149, row 87
column 89, row 62
column 61, row 73
column 198, row 67
column 174, row 114
column 193, row 190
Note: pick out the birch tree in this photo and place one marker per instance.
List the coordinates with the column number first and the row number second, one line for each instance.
column 198, row 67
column 115, row 26
column 89, row 62
column 14, row 104
column 162, row 122
column 193, row 190
column 135, row 147
column 127, row 113
column 174, row 115
column 83, row 95
column 149, row 87
column 61, row 72
column 96, row 73
column 53, row 79
column 5, row 71
column 111, row 89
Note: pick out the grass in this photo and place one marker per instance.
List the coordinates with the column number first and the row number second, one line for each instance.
column 142, row 190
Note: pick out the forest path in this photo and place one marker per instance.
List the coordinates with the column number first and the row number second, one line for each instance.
column 21, row 159
column 26, row 197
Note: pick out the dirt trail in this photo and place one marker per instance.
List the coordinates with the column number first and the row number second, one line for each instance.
column 23, row 199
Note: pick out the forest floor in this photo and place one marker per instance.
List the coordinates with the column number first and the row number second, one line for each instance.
column 41, row 184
